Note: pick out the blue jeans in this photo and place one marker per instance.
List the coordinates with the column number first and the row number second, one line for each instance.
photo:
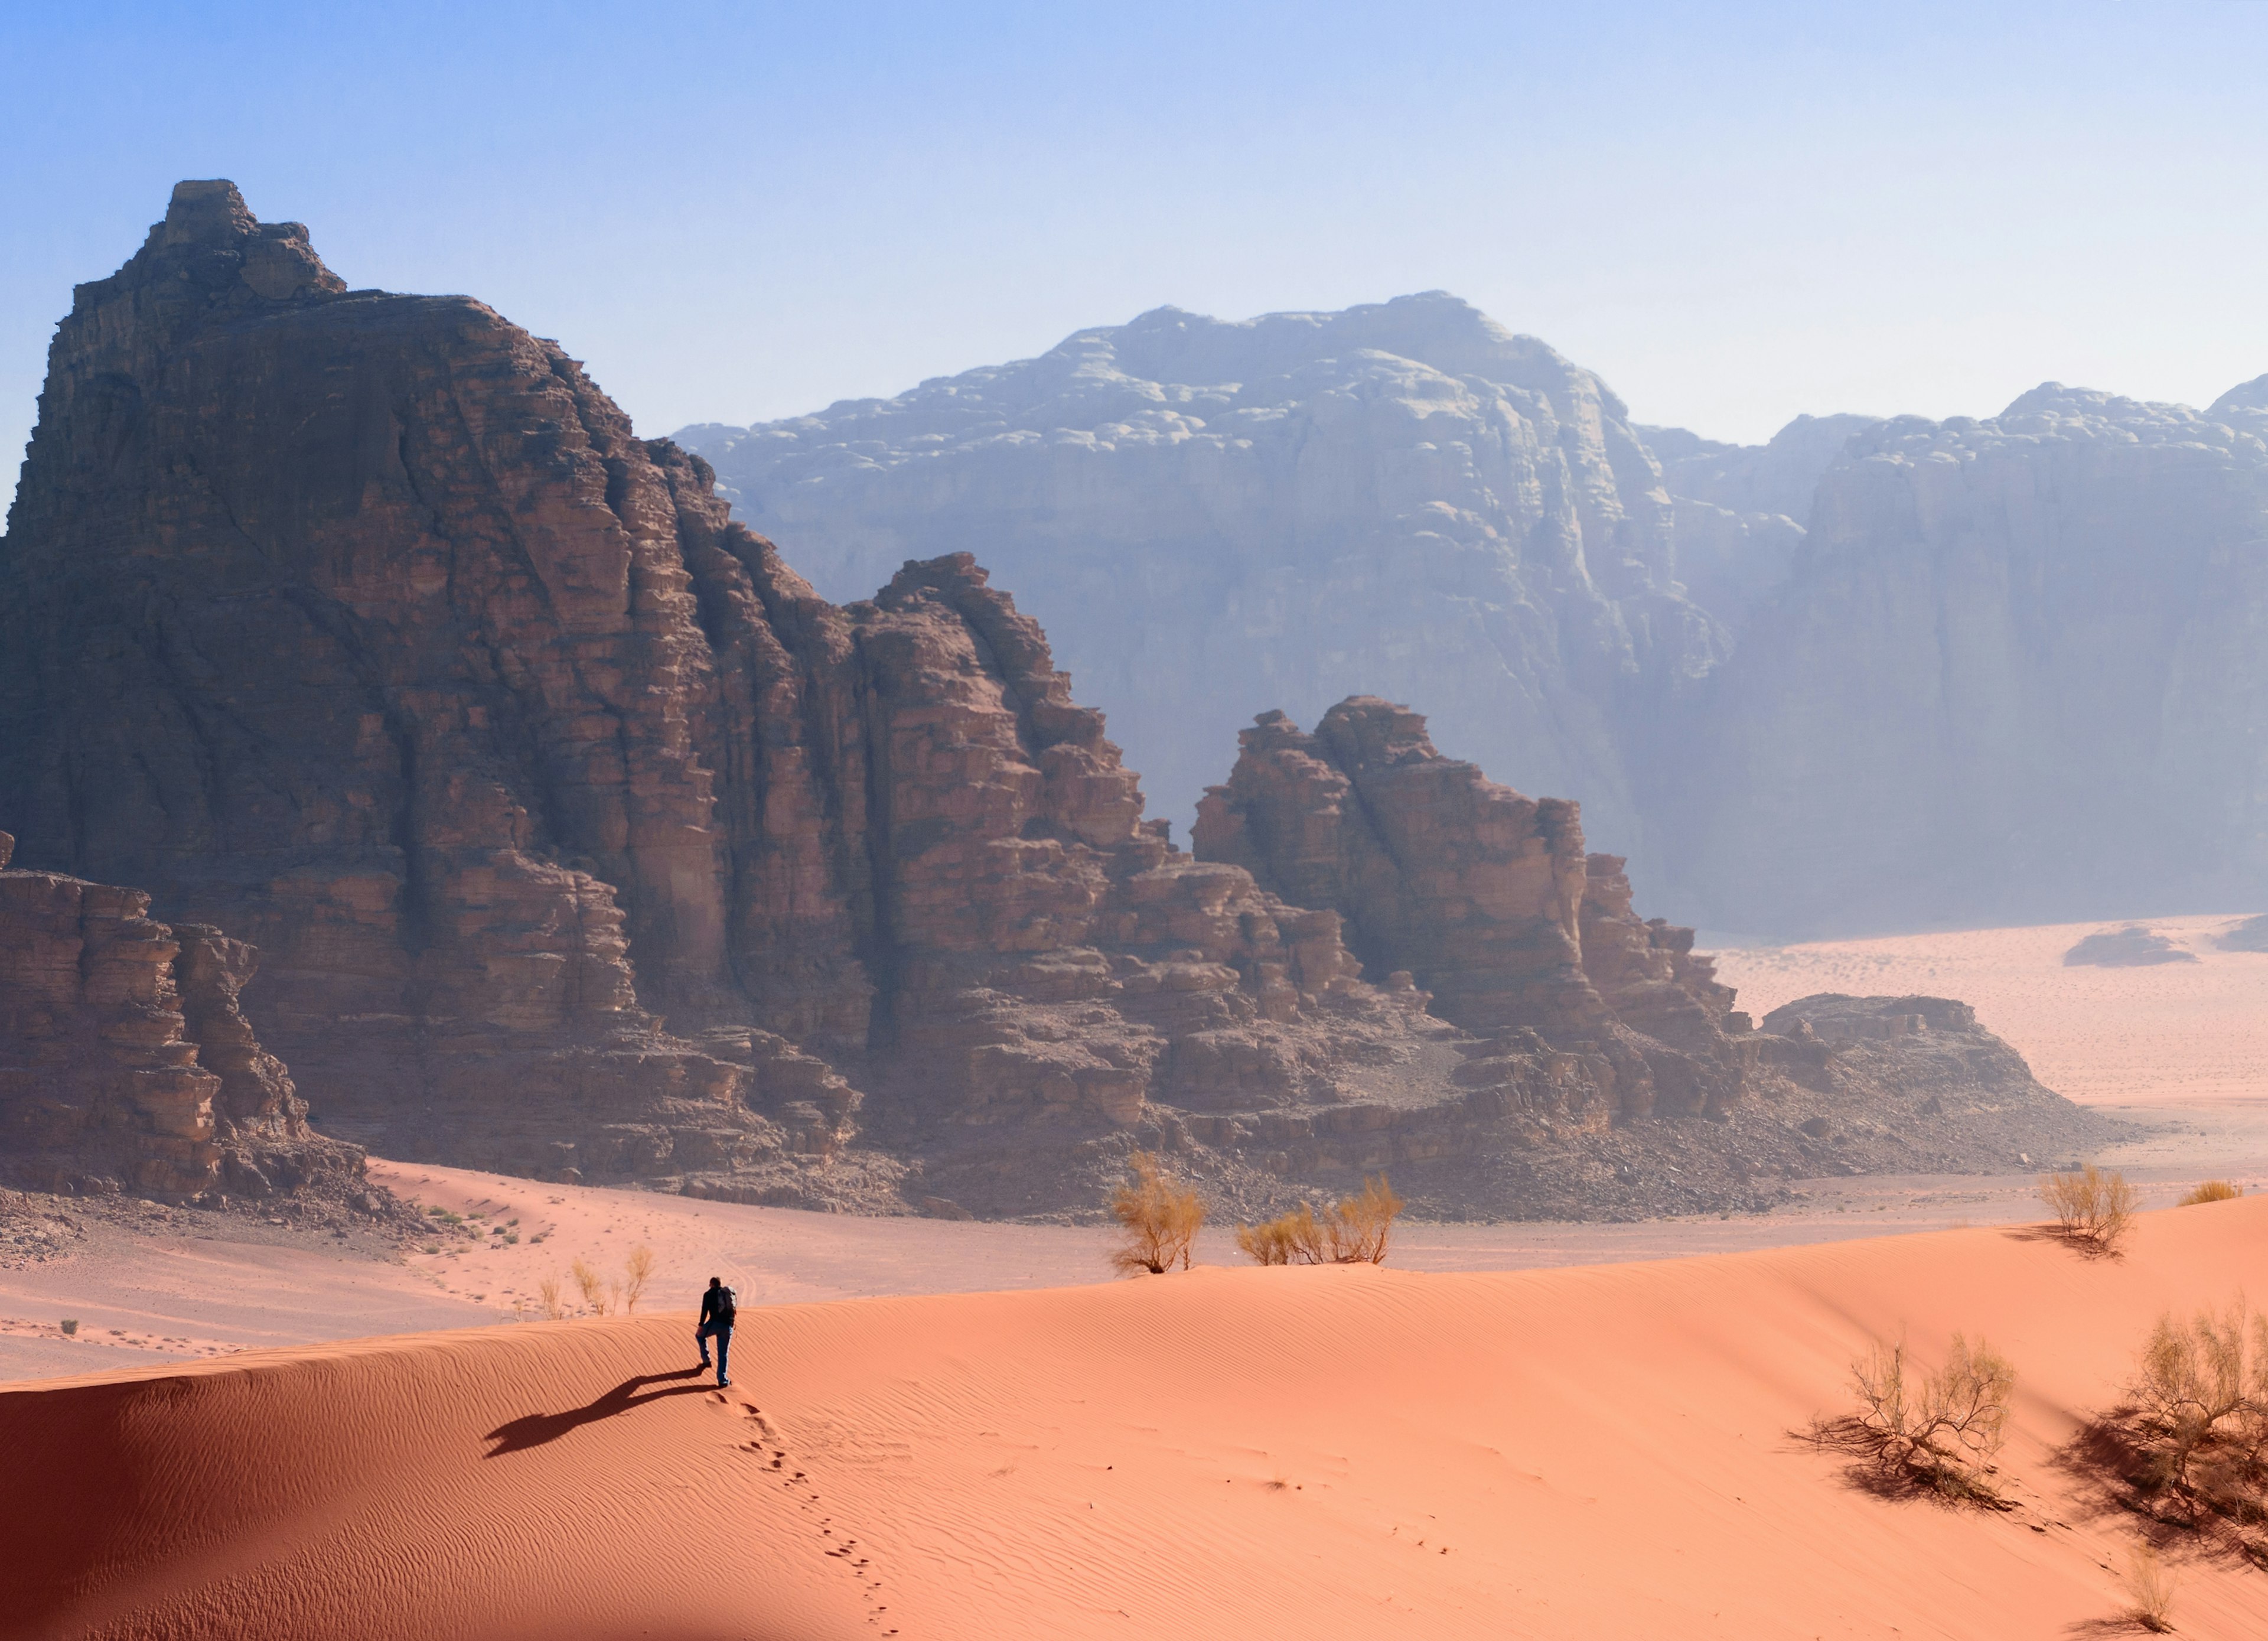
column 724, row 1338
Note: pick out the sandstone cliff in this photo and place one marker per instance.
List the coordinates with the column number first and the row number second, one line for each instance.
column 2015, row 673
column 1404, row 498
column 582, row 837
column 1614, row 1072
column 125, row 1064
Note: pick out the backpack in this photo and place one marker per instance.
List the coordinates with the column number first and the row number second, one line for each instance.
column 722, row 1316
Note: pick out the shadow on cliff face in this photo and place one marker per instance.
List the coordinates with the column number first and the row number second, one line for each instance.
column 535, row 1430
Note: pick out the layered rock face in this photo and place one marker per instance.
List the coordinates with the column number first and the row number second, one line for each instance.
column 360, row 625
column 583, row 838
column 1487, row 899
column 125, row 1064
column 2016, row 674
column 1404, row 498
column 363, row 624
column 1588, row 1033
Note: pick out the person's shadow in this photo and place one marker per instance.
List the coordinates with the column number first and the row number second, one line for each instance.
column 536, row 1429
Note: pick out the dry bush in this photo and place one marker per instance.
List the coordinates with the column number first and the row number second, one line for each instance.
column 2212, row 1191
column 2200, row 1413
column 640, row 1267
column 1298, row 1237
column 2090, row 1206
column 1159, row 1219
column 550, row 1289
column 2150, row 1587
column 593, row 1287
column 1941, row 1429
column 1354, row 1230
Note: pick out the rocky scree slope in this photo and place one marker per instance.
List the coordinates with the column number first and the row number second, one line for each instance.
column 584, row 839
column 1404, row 498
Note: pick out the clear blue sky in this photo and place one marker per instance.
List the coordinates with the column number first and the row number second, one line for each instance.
column 1733, row 212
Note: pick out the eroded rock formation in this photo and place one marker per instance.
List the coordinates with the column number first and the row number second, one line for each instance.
column 1487, row 899
column 580, row 834
column 581, row 837
column 125, row 1064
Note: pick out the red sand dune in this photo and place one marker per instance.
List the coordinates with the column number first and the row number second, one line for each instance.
column 1597, row 1451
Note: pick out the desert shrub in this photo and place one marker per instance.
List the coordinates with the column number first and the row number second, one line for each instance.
column 640, row 1267
column 1294, row 1238
column 1360, row 1226
column 593, row 1287
column 2212, row 1191
column 2150, row 1587
column 1159, row 1219
column 2090, row 1206
column 549, row 1289
column 71, row 1327
column 1941, row 1429
column 2200, row 1413
column 1354, row 1230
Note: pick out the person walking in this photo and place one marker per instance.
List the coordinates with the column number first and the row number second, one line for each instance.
column 717, row 1311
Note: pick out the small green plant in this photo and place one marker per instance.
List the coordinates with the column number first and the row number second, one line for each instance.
column 71, row 1327
column 1159, row 1219
column 2212, row 1191
column 430, row 1247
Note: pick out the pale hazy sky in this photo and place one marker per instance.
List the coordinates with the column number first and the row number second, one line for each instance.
column 1733, row 212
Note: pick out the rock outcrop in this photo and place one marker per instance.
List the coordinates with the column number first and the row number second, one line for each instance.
column 1404, row 498
column 583, row 838
column 125, row 1064
column 1488, row 901
column 2133, row 947
column 2015, row 673
column 1608, row 1060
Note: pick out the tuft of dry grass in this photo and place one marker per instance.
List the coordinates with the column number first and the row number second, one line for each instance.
column 1159, row 1219
column 1353, row 1230
column 2212, row 1191
column 1941, row 1429
column 2150, row 1586
column 593, row 1287
column 2091, row 1206
column 640, row 1267
column 550, row 1289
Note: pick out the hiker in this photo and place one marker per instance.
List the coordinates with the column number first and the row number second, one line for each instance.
column 717, row 1309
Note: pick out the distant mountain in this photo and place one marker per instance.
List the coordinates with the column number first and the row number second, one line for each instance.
column 1870, row 674
column 2018, row 671
column 1212, row 518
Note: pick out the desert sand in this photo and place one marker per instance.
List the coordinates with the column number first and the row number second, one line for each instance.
column 1608, row 1451
column 2176, row 1033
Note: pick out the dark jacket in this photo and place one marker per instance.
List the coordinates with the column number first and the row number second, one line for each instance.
column 717, row 1307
